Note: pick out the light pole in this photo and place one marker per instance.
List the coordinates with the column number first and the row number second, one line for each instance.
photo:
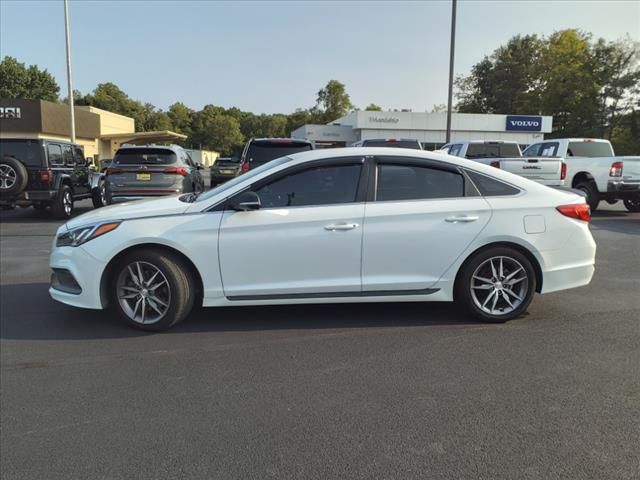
column 452, row 51
column 69, row 83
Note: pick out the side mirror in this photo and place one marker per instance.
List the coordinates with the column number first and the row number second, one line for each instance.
column 245, row 202
column 198, row 166
column 89, row 161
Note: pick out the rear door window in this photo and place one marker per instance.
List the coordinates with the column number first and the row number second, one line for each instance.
column 397, row 182
column 55, row 154
column 67, row 154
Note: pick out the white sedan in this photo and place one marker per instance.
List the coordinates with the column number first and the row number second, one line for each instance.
column 329, row 226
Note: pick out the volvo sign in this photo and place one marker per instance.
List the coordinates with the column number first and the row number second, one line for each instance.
column 524, row 123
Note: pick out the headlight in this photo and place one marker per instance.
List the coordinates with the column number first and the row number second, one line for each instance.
column 81, row 235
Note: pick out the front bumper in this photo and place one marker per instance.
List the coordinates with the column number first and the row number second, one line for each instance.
column 87, row 272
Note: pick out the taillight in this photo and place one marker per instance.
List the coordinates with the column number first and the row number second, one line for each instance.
column 177, row 171
column 563, row 171
column 616, row 169
column 45, row 176
column 112, row 171
column 244, row 167
column 579, row 211
column 495, row 164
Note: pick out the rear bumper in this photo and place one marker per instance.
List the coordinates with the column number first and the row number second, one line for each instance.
column 29, row 197
column 623, row 189
column 222, row 177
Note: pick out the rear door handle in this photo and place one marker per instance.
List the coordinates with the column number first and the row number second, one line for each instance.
column 340, row 226
column 462, row 219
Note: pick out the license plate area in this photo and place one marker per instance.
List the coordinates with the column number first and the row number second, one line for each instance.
column 143, row 177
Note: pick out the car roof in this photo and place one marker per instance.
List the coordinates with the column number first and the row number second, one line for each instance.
column 283, row 140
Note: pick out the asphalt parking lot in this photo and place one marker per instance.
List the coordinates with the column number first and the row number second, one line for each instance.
column 348, row 391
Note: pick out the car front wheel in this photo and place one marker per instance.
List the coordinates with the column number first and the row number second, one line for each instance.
column 497, row 284
column 151, row 290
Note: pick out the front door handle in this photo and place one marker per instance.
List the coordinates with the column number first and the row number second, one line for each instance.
column 340, row 226
column 462, row 219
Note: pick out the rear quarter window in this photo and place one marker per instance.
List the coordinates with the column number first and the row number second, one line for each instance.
column 29, row 152
column 489, row 186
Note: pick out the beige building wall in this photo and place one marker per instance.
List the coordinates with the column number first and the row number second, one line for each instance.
column 110, row 123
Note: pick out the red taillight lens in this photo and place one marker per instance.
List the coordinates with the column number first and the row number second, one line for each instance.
column 177, row 171
column 45, row 176
column 495, row 164
column 563, row 171
column 244, row 167
column 579, row 211
column 111, row 171
column 616, row 169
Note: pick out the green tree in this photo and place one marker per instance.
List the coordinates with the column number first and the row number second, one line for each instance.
column 213, row 129
column 18, row 81
column 372, row 107
column 181, row 118
column 333, row 101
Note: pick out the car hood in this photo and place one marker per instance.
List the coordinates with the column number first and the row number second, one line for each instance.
column 128, row 210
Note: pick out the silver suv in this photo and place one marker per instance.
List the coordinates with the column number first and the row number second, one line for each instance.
column 151, row 171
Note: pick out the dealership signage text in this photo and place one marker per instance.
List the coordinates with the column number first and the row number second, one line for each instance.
column 10, row 112
column 522, row 123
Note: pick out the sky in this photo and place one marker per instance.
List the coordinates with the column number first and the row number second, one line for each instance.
column 269, row 57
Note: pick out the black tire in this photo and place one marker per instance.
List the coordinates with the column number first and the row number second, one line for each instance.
column 467, row 296
column 62, row 205
column 99, row 196
column 593, row 197
column 13, row 176
column 632, row 204
column 180, row 285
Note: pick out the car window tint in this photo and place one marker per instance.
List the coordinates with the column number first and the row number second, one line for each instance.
column 67, row 153
column 413, row 182
column 316, row 186
column 455, row 149
column 490, row 187
column 55, row 154
column 79, row 155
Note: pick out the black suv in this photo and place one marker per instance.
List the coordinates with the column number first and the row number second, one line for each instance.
column 259, row 151
column 47, row 173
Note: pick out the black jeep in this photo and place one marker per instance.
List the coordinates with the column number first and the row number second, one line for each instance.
column 47, row 173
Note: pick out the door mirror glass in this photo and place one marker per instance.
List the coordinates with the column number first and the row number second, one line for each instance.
column 244, row 202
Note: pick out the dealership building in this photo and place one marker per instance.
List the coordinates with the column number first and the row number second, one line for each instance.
column 99, row 132
column 428, row 128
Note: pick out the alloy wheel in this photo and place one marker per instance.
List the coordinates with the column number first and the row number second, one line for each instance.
column 143, row 292
column 8, row 177
column 67, row 203
column 499, row 285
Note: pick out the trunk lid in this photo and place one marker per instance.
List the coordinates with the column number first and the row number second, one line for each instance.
column 538, row 169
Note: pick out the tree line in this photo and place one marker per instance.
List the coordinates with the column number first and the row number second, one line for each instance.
column 590, row 87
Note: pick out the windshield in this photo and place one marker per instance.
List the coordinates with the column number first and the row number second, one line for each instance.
column 250, row 174
column 263, row 152
column 29, row 152
column 144, row 156
column 493, row 150
column 392, row 143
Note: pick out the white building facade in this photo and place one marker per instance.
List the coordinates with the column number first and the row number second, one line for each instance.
column 428, row 128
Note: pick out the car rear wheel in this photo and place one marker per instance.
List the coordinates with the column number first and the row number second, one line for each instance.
column 591, row 192
column 152, row 290
column 497, row 284
column 62, row 206
column 632, row 204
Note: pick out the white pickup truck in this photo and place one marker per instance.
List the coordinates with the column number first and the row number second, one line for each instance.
column 507, row 156
column 593, row 168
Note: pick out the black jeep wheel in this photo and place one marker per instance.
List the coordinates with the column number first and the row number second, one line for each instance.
column 99, row 196
column 62, row 206
column 13, row 176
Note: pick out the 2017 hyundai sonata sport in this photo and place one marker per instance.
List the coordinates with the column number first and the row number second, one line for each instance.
column 329, row 226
